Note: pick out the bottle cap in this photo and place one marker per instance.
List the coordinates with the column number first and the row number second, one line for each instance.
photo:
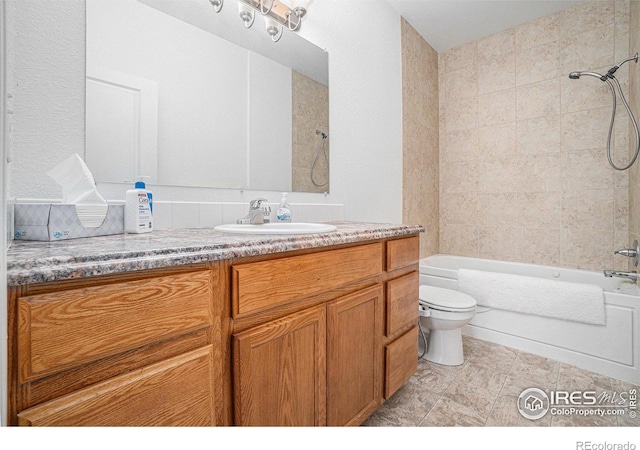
column 140, row 183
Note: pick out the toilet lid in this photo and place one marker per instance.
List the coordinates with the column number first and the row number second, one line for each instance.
column 447, row 299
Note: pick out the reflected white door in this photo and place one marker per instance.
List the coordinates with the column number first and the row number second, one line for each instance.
column 121, row 126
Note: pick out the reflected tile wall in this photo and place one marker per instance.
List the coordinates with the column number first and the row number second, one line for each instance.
column 310, row 112
column 523, row 169
column 420, row 134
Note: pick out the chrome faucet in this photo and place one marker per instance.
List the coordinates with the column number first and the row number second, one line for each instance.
column 633, row 252
column 257, row 213
column 633, row 276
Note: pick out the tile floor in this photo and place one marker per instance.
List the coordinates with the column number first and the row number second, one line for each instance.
column 484, row 391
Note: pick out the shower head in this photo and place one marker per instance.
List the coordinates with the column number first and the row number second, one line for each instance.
column 577, row 75
column 320, row 133
column 609, row 74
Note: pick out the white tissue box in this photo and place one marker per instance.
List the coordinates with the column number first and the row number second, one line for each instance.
column 57, row 222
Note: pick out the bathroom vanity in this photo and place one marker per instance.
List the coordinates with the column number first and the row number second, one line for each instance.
column 195, row 327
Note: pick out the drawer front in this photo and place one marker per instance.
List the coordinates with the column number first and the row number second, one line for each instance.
column 266, row 284
column 68, row 328
column 401, row 361
column 402, row 302
column 175, row 392
column 402, row 252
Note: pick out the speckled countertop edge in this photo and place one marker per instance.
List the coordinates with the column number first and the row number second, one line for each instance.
column 36, row 262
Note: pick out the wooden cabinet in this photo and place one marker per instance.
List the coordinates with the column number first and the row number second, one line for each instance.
column 319, row 366
column 127, row 350
column 306, row 338
column 401, row 331
column 290, row 368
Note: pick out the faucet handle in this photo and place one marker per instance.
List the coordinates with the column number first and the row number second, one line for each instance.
column 630, row 252
column 256, row 203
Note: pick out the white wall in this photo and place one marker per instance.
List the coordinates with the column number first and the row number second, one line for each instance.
column 365, row 105
column 4, row 226
column 48, row 92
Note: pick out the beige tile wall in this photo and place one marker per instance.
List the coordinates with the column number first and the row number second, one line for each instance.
column 523, row 170
column 310, row 112
column 634, row 102
column 420, row 136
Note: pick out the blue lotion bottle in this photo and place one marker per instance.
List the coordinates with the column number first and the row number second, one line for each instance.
column 138, row 210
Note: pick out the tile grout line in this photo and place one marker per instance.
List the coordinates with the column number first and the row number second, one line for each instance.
column 437, row 400
column 495, row 400
column 443, row 392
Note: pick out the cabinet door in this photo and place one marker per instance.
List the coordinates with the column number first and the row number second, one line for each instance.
column 354, row 330
column 280, row 371
column 175, row 392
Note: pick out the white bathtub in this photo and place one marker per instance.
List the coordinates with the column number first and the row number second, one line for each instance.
column 612, row 349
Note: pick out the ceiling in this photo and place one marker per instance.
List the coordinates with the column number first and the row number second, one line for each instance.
column 446, row 24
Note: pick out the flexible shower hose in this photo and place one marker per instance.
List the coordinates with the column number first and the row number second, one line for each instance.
column 613, row 118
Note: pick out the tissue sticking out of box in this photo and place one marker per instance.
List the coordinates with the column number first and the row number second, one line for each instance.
column 79, row 189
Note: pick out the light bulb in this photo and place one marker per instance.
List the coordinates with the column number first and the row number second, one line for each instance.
column 273, row 28
column 300, row 7
column 246, row 14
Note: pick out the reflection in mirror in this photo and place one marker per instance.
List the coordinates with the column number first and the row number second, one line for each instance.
column 192, row 98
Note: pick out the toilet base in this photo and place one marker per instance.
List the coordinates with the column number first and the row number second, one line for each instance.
column 445, row 347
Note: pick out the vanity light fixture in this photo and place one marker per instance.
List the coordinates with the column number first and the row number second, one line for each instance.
column 277, row 13
column 217, row 5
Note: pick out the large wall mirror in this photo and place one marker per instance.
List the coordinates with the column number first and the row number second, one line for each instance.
column 190, row 97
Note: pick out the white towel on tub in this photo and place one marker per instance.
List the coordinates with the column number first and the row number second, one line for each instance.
column 578, row 302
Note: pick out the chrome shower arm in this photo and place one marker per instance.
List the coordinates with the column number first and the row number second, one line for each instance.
column 617, row 66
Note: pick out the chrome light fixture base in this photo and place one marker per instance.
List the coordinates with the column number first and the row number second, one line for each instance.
column 246, row 14
column 217, row 5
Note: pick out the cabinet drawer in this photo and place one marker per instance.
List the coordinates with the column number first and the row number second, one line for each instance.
column 402, row 252
column 401, row 361
column 263, row 285
column 175, row 392
column 402, row 302
column 68, row 328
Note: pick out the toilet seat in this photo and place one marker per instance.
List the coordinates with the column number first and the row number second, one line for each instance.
column 446, row 299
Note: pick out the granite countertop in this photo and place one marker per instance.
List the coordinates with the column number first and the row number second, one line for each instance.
column 36, row 262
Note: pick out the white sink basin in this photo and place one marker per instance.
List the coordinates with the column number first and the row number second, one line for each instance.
column 277, row 228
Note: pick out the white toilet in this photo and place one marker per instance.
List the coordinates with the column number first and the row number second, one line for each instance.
column 444, row 312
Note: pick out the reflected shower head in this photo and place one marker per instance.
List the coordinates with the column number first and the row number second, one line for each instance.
column 575, row 75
